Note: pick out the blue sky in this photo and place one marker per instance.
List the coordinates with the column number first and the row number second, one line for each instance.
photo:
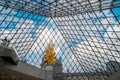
column 117, row 12
column 74, row 43
column 38, row 20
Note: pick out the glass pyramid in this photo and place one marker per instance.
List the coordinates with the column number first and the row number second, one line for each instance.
column 85, row 33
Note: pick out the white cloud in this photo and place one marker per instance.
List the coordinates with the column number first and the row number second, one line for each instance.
column 92, row 51
column 44, row 38
column 85, row 54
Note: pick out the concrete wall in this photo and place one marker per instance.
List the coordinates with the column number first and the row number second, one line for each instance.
column 8, row 56
column 115, row 76
column 25, row 71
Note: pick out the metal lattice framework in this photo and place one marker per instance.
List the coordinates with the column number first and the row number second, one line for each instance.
column 86, row 34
